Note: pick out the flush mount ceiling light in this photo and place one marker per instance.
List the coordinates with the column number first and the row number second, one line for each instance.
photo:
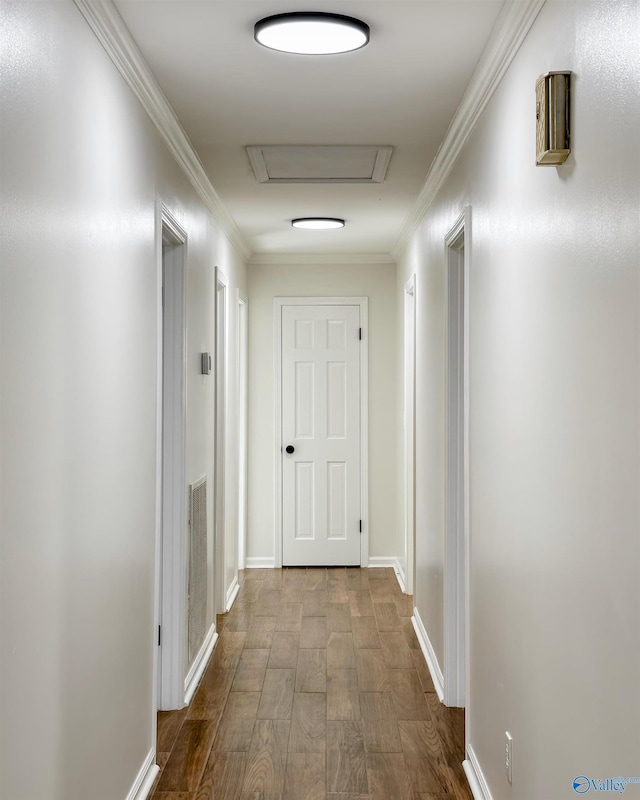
column 317, row 223
column 311, row 33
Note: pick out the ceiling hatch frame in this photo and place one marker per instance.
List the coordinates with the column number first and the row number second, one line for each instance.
column 320, row 163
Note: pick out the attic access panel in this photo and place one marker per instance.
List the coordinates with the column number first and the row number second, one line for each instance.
column 320, row 163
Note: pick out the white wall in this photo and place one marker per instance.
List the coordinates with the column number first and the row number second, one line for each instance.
column 554, row 413
column 377, row 282
column 82, row 171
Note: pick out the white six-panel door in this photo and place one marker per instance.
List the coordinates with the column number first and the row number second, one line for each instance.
column 321, row 421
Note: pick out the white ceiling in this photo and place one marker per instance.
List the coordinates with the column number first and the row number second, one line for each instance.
column 229, row 92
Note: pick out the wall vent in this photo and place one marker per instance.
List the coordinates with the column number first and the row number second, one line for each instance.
column 197, row 609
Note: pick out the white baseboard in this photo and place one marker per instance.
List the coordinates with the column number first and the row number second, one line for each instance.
column 429, row 653
column 477, row 782
column 145, row 779
column 260, row 563
column 199, row 665
column 382, row 561
column 232, row 593
column 401, row 577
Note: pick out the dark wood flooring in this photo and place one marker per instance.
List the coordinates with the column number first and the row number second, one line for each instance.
column 317, row 690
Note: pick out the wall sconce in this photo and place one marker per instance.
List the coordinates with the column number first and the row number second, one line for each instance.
column 552, row 118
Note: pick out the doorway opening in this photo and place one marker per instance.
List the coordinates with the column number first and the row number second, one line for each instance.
column 457, row 473
column 220, row 528
column 171, row 565
column 242, row 399
column 409, row 341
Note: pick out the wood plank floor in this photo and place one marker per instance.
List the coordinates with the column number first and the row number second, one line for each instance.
column 317, row 690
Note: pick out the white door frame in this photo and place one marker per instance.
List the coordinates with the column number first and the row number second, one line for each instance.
column 221, row 361
column 456, row 570
column 409, row 392
column 171, row 496
column 242, row 338
column 363, row 303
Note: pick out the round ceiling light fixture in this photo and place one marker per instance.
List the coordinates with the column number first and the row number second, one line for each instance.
column 311, row 33
column 318, row 223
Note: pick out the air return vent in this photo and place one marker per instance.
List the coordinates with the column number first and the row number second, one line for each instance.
column 197, row 566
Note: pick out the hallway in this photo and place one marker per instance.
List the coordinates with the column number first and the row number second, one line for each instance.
column 317, row 688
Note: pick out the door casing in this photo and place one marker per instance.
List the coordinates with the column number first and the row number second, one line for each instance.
column 456, row 560
column 171, row 512
column 409, row 394
column 363, row 303
column 242, row 339
column 219, row 472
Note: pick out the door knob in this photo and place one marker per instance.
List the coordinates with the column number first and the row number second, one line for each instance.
column 290, row 448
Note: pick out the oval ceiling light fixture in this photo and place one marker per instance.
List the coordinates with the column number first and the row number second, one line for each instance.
column 311, row 33
column 318, row 223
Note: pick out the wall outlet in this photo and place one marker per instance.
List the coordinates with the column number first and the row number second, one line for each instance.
column 508, row 756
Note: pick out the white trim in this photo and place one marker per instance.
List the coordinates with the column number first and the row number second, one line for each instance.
column 171, row 471
column 429, row 654
column 258, row 164
column 477, row 782
column 401, row 577
column 319, row 259
column 220, row 455
column 409, row 427
column 513, row 25
column 199, row 664
column 260, row 562
column 363, row 302
column 175, row 230
column 145, row 778
column 261, row 172
column 157, row 581
column 277, row 455
column 458, row 227
column 232, row 593
column 383, row 157
column 457, row 461
column 364, row 429
column 242, row 397
column 107, row 24
column 466, row 633
column 377, row 562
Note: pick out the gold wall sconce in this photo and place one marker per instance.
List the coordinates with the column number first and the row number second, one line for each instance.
column 553, row 144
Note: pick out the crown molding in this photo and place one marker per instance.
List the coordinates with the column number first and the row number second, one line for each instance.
column 512, row 26
column 107, row 24
column 315, row 259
